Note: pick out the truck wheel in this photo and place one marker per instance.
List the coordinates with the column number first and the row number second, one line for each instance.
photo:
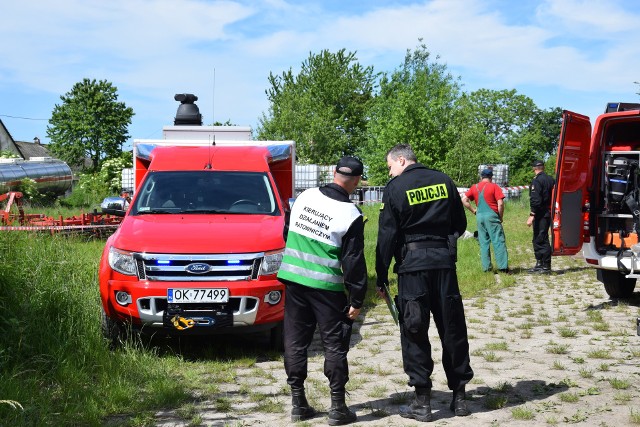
column 112, row 331
column 616, row 285
column 276, row 337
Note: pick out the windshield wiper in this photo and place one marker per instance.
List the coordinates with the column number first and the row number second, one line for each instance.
column 204, row 211
column 157, row 211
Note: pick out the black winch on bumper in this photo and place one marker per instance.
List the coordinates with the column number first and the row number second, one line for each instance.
column 187, row 316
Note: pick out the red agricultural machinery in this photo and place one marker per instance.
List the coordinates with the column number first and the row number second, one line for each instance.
column 14, row 218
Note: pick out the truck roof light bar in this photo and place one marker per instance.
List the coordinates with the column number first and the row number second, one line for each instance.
column 613, row 107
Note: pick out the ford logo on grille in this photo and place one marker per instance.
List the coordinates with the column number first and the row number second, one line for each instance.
column 198, row 268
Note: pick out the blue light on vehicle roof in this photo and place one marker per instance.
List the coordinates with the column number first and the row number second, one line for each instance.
column 233, row 262
column 163, row 262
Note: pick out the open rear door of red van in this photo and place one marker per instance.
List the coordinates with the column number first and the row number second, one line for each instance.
column 572, row 178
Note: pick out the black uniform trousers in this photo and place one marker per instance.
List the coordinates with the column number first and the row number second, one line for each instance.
column 541, row 245
column 435, row 291
column 305, row 307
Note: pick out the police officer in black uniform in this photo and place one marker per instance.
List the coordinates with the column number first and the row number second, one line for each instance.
column 540, row 216
column 420, row 219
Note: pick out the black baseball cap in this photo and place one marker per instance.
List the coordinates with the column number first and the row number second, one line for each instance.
column 486, row 173
column 349, row 166
column 537, row 163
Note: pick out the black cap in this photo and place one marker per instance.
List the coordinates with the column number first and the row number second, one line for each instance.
column 486, row 173
column 537, row 163
column 349, row 166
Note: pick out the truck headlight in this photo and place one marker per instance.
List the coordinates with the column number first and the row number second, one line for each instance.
column 122, row 261
column 271, row 263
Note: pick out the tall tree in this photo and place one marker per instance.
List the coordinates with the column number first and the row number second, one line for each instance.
column 539, row 140
column 415, row 106
column 90, row 122
column 470, row 146
column 323, row 108
column 502, row 114
column 515, row 131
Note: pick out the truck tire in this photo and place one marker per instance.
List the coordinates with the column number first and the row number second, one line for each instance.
column 616, row 285
column 276, row 337
column 112, row 331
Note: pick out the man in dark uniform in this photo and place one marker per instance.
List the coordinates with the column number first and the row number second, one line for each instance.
column 420, row 219
column 540, row 216
column 325, row 274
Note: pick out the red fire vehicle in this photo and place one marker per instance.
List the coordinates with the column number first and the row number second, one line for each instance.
column 596, row 200
column 201, row 242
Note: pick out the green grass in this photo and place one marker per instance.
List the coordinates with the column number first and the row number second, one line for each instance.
column 53, row 358
column 522, row 413
column 497, row 346
column 569, row 397
column 495, row 402
column 56, row 369
column 599, row 354
column 555, row 348
column 619, row 384
column 490, row 356
column 567, row 332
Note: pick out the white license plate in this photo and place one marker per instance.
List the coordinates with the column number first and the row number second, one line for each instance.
column 193, row 295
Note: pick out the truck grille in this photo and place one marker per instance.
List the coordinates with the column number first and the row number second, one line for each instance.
column 198, row 267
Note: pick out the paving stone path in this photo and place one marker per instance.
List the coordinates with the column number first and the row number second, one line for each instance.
column 551, row 350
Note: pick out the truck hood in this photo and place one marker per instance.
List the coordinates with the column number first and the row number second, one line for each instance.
column 190, row 234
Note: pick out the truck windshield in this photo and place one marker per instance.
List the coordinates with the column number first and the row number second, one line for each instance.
column 201, row 192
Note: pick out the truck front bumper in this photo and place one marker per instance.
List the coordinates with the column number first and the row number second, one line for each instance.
column 252, row 305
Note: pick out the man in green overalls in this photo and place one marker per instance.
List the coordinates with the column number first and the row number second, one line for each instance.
column 489, row 209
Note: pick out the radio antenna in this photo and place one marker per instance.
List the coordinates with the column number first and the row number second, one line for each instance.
column 213, row 100
column 210, row 155
column 213, row 123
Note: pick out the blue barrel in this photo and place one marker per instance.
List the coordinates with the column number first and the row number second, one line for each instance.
column 50, row 175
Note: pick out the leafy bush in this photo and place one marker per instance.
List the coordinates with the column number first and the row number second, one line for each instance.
column 111, row 170
column 89, row 192
column 92, row 188
column 32, row 196
column 6, row 154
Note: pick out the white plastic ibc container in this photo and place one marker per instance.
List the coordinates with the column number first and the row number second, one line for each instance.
column 126, row 179
column 500, row 173
column 309, row 176
column 373, row 195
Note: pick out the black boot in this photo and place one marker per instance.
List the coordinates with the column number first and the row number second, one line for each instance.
column 420, row 408
column 459, row 403
column 537, row 267
column 300, row 410
column 545, row 268
column 339, row 413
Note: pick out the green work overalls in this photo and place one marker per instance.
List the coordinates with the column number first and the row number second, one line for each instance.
column 490, row 231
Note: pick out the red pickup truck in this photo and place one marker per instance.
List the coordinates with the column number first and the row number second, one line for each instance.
column 202, row 240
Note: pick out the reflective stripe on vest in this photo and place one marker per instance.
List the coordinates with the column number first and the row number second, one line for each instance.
column 314, row 243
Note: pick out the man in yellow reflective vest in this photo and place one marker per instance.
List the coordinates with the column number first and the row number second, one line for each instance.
column 325, row 274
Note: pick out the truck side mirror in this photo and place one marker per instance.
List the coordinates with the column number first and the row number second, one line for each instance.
column 287, row 217
column 114, row 206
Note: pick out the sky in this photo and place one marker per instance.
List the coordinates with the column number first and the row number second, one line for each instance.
column 573, row 54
